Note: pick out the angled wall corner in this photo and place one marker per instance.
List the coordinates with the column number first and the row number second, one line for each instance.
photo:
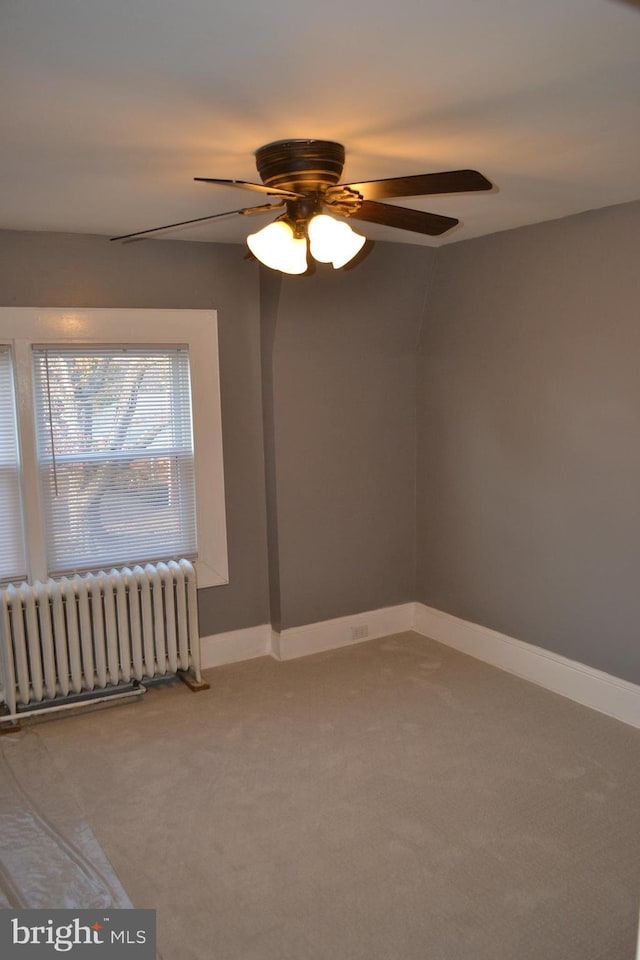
column 270, row 288
column 339, row 405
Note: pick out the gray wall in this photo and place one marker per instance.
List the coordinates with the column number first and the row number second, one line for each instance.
column 318, row 407
column 527, row 398
column 528, row 514
column 46, row 269
column 343, row 442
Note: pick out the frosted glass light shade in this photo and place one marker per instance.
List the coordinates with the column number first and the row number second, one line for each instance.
column 321, row 231
column 332, row 241
column 276, row 247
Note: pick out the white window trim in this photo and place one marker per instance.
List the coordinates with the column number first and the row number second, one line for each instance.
column 198, row 329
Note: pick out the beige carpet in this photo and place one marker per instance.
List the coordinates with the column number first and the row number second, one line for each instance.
column 394, row 800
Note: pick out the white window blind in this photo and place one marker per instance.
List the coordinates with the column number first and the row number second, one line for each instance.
column 13, row 564
column 115, row 453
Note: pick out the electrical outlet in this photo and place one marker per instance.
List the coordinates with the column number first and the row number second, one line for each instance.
column 360, row 632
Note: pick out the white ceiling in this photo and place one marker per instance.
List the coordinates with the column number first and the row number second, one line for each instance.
column 109, row 108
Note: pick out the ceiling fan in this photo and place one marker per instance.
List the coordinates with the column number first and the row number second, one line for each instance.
column 303, row 176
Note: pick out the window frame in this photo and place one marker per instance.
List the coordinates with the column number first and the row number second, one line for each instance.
column 10, row 477
column 23, row 327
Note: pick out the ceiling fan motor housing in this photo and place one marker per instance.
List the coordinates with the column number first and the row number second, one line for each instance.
column 303, row 166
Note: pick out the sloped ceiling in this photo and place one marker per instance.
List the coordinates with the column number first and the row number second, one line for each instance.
column 109, row 108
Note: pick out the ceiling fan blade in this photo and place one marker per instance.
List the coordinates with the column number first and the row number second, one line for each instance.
column 431, row 224
column 214, row 216
column 246, row 185
column 423, row 185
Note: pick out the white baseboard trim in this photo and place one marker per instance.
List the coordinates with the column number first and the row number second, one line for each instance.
column 221, row 648
column 342, row 632
column 592, row 688
column 600, row 691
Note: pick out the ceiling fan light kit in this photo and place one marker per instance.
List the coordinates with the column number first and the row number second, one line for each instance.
column 303, row 176
column 283, row 246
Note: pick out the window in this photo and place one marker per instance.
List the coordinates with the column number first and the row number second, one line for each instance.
column 13, row 563
column 115, row 455
column 120, row 439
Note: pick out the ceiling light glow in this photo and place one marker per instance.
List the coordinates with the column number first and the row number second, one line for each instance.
column 281, row 246
column 332, row 241
column 277, row 247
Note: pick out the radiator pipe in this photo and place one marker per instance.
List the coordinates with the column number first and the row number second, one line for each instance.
column 74, row 705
